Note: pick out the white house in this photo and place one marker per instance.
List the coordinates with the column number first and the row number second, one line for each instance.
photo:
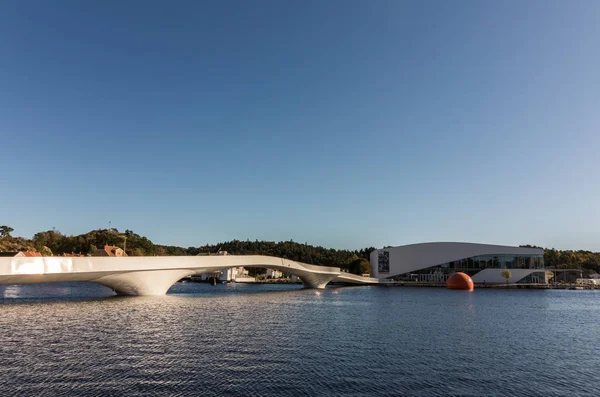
column 228, row 274
column 274, row 273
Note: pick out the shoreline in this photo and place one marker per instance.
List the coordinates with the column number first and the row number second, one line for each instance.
column 273, row 281
column 566, row 286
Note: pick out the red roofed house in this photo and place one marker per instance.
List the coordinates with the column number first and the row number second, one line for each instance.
column 28, row 254
column 110, row 250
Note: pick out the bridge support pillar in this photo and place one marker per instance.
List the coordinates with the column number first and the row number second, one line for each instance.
column 315, row 280
column 151, row 282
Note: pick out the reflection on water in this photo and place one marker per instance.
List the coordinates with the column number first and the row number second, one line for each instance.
column 80, row 339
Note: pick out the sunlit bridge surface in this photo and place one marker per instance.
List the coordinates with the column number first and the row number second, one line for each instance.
column 154, row 275
column 283, row 340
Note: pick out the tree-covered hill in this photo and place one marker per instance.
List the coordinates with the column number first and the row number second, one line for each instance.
column 57, row 243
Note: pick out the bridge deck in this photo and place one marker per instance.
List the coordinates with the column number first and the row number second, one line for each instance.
column 153, row 275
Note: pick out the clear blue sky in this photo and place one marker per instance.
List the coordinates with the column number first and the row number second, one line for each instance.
column 339, row 123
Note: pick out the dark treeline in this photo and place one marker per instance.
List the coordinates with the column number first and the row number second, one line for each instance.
column 568, row 259
column 286, row 249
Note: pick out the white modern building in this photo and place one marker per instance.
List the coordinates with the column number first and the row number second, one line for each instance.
column 435, row 262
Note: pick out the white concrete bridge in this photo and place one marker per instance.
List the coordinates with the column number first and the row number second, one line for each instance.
column 154, row 275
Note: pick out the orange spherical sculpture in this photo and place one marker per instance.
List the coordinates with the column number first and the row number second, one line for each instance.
column 460, row 280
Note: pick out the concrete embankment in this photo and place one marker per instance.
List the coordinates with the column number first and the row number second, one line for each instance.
column 497, row 286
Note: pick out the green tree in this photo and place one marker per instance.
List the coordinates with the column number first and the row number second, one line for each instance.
column 506, row 274
column 551, row 258
column 365, row 252
column 92, row 249
column 137, row 252
column 51, row 239
column 5, row 231
column 45, row 251
column 360, row 266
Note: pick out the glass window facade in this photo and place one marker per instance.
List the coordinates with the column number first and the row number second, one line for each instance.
column 497, row 262
column 475, row 264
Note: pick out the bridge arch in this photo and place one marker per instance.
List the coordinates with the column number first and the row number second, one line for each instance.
column 158, row 282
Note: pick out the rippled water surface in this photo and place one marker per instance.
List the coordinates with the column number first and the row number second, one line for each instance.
column 275, row 340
